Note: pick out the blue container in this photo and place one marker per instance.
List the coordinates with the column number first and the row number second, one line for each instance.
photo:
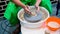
column 5, row 27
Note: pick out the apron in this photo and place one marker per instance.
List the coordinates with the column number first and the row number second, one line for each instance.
column 12, row 9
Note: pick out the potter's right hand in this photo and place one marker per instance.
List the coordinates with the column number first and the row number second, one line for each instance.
column 27, row 10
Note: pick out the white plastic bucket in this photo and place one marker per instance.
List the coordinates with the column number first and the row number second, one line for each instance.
column 27, row 24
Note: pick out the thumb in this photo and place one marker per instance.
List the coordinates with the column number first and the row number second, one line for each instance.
column 38, row 8
column 28, row 7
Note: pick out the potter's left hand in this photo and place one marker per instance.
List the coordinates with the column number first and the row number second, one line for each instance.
column 37, row 7
column 37, row 4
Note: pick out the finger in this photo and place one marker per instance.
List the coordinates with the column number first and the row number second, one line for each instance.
column 27, row 11
column 38, row 9
column 28, row 7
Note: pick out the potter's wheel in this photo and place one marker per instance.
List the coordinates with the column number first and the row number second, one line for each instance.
column 31, row 18
column 35, row 16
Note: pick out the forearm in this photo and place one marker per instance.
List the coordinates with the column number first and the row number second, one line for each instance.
column 38, row 2
column 19, row 3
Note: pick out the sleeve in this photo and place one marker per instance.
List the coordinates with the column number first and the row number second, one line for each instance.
column 11, row 13
column 32, row 2
column 46, row 4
